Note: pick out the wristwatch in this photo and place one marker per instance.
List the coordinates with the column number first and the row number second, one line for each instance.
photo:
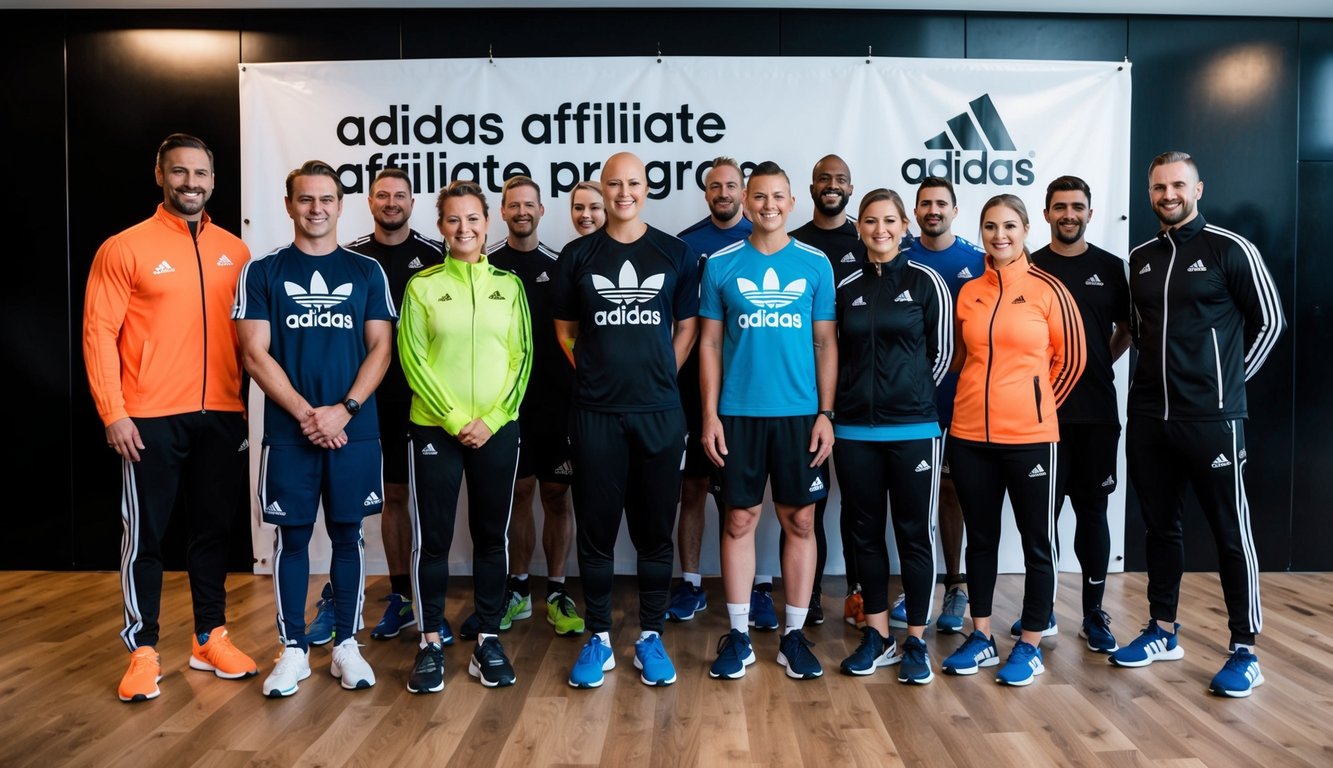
column 828, row 414
column 352, row 406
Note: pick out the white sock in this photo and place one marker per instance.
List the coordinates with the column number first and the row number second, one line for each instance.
column 1238, row 646
column 481, row 638
column 795, row 617
column 739, row 614
column 645, row 634
column 605, row 637
column 693, row 579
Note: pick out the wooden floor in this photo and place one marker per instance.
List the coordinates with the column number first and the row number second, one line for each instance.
column 61, row 662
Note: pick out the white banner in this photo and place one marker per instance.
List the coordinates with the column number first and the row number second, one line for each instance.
column 991, row 126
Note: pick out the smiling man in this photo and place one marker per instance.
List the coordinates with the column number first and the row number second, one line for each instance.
column 628, row 295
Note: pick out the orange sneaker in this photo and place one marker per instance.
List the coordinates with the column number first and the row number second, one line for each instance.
column 140, row 680
column 219, row 656
column 853, row 610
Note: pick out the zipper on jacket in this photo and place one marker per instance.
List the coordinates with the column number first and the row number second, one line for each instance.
column 472, row 395
column 1166, row 285
column 203, row 311
column 1036, row 388
column 1217, row 367
column 874, row 342
column 990, row 351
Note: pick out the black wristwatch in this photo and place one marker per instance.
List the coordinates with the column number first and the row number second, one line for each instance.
column 352, row 406
column 828, row 414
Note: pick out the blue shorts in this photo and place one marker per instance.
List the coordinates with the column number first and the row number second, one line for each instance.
column 294, row 479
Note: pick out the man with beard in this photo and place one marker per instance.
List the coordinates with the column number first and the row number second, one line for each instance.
column 834, row 233
column 724, row 186
column 1089, row 418
column 957, row 261
column 1205, row 316
column 543, row 421
column 402, row 252
column 160, row 293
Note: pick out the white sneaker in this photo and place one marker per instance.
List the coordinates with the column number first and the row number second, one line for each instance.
column 350, row 667
column 293, row 666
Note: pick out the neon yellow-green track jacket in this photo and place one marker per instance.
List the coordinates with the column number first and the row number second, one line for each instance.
column 465, row 340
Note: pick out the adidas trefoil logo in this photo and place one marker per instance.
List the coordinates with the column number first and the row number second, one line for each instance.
column 1094, row 280
column 860, row 302
column 372, row 500
column 542, row 278
column 1109, row 481
column 1221, row 461
column 163, row 268
column 817, row 485
column 223, row 261
column 848, row 258
column 495, row 295
column 1019, row 300
column 1037, row 471
column 771, row 295
column 966, row 273
column 1197, row 267
column 275, row 510
column 904, row 296
column 1146, row 269
column 317, row 301
column 923, row 466
column 415, row 263
column 429, row 450
column 628, row 292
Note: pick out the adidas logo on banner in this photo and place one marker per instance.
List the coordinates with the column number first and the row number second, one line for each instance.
column 223, row 261
column 163, row 268
column 1221, row 461
column 495, row 295
column 445, row 297
column 429, row 450
column 245, row 445
column 966, row 273
column 415, row 263
column 904, row 296
column 1019, row 300
column 971, row 146
column 817, row 485
column 1197, row 267
column 1146, row 269
column 860, row 302
column 372, row 500
column 625, row 294
column 1037, row 471
column 1094, row 280
column 275, row 510
column 1109, row 481
column 565, row 469
column 542, row 278
column 923, row 466
column 848, row 258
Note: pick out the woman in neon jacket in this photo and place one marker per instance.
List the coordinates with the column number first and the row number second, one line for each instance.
column 465, row 340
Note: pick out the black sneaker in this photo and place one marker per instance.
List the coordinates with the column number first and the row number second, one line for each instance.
column 471, row 627
column 490, row 665
column 816, row 615
column 428, row 670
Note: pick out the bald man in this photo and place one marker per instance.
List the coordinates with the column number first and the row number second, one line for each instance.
column 628, row 295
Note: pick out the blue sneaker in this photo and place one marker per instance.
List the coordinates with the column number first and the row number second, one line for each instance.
column 1239, row 676
column 875, row 651
column 734, row 654
column 915, row 668
column 977, row 651
column 955, row 607
column 446, row 633
column 1016, row 630
column 686, row 600
column 1023, row 665
column 595, row 658
column 762, row 615
column 794, row 654
column 651, row 658
column 320, row 630
column 898, row 613
column 1097, row 631
column 1152, row 644
column 397, row 615
column 471, row 627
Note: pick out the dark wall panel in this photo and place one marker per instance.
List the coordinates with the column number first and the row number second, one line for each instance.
column 1224, row 91
column 35, row 299
column 1078, row 38
column 886, row 33
column 1316, row 90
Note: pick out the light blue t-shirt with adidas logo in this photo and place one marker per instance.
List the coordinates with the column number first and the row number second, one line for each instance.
column 768, row 306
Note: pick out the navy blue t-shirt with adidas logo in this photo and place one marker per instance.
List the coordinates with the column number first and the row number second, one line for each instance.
column 626, row 298
column 316, row 308
column 1099, row 282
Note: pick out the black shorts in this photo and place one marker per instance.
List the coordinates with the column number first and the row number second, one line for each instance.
column 761, row 450
column 544, row 449
column 1088, row 455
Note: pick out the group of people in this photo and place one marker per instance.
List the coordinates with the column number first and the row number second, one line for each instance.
column 641, row 369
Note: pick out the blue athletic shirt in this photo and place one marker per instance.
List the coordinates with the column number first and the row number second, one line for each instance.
column 767, row 305
column 957, row 264
column 706, row 238
column 316, row 308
